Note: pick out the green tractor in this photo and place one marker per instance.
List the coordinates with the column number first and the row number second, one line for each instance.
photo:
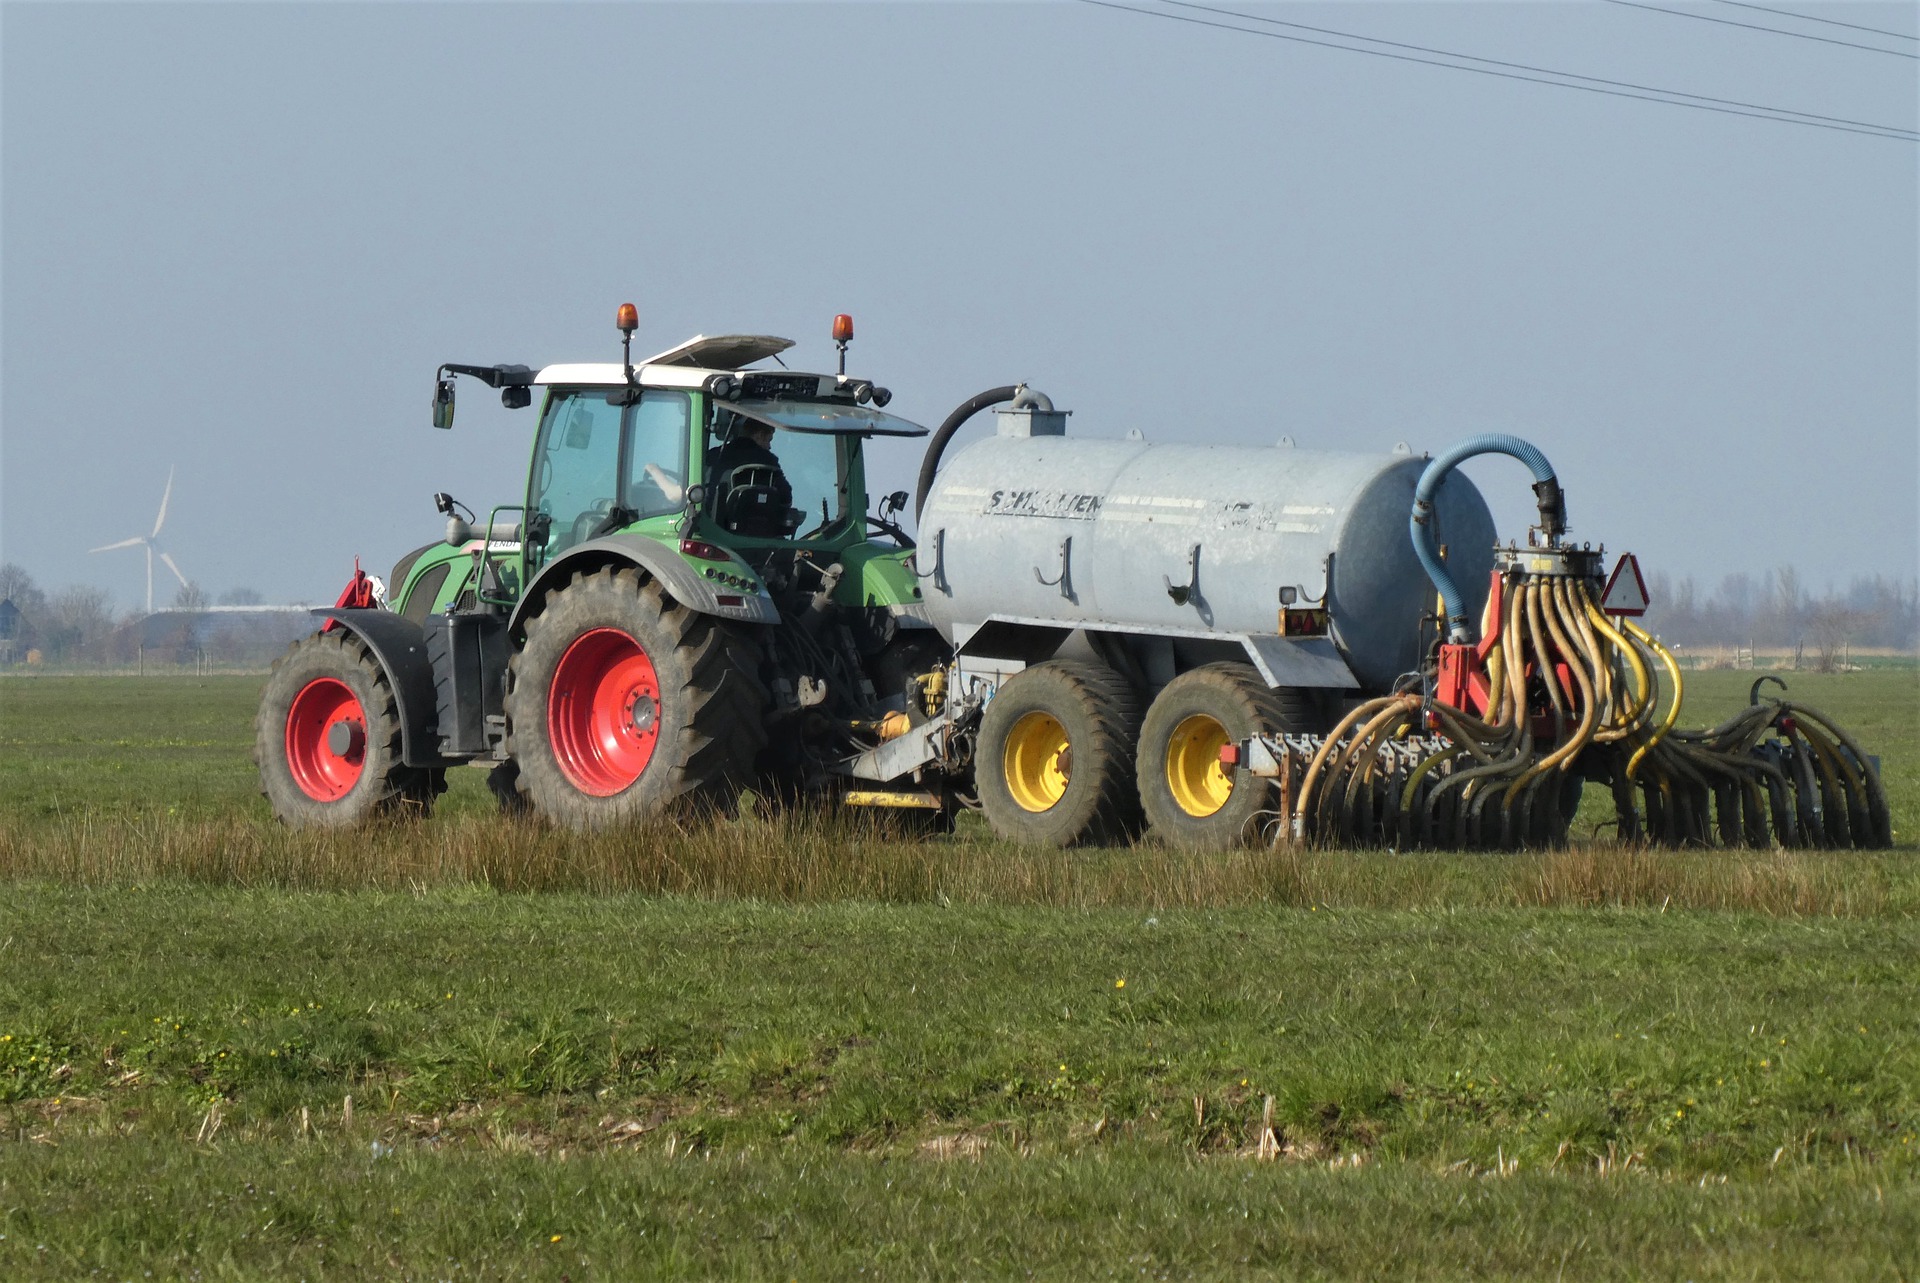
column 692, row 600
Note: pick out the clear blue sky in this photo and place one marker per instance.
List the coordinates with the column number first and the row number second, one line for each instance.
column 238, row 239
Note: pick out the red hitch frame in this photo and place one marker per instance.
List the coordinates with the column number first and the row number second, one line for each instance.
column 357, row 595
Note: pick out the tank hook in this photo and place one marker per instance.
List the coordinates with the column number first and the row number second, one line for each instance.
column 1062, row 579
column 1189, row 591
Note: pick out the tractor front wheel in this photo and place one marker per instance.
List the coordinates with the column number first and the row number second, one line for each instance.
column 623, row 701
column 327, row 739
column 1054, row 765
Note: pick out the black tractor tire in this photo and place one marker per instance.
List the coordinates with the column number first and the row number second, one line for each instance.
column 701, row 699
column 1054, row 763
column 327, row 739
column 1192, row 801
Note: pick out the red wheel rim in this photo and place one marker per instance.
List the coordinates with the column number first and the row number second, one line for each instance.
column 326, row 739
column 603, row 712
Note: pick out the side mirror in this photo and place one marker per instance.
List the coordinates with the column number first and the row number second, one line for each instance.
column 443, row 403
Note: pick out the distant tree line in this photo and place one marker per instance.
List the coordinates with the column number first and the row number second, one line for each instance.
column 1777, row 612
column 77, row 626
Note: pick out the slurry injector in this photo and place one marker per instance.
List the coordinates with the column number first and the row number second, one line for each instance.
column 1490, row 743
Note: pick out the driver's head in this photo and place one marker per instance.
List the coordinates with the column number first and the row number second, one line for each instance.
column 761, row 434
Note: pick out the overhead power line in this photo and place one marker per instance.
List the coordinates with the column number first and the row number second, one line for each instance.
column 1777, row 115
column 1807, row 17
column 1521, row 66
column 1750, row 26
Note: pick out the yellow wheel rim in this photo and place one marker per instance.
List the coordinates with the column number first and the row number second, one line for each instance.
column 1199, row 784
column 1038, row 761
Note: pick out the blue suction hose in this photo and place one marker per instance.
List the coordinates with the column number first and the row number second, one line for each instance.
column 1546, row 489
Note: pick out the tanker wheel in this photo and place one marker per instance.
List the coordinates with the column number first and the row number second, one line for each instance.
column 623, row 702
column 1191, row 800
column 1054, row 763
column 327, row 738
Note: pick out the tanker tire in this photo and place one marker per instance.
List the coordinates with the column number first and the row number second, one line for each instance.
column 710, row 705
column 1215, row 700
column 332, row 667
column 1099, row 713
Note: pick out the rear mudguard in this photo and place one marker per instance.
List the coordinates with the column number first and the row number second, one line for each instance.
column 686, row 584
column 400, row 647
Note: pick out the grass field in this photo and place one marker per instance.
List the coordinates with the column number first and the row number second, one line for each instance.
column 801, row 1049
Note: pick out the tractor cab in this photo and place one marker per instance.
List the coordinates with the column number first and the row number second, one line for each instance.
column 752, row 461
column 749, row 480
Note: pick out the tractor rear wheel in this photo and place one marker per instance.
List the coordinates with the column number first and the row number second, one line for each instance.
column 327, row 738
column 1190, row 798
column 623, row 702
column 1054, row 766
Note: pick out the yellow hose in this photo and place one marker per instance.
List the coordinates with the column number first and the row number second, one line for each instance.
column 1588, row 700
column 1573, row 600
column 1644, row 690
column 1463, row 739
column 1330, row 749
column 1679, row 691
column 1543, row 661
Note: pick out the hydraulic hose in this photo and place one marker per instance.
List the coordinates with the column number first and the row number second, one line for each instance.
column 1546, row 489
column 1646, row 639
column 937, row 446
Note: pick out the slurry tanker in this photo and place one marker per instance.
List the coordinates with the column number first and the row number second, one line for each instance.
column 697, row 600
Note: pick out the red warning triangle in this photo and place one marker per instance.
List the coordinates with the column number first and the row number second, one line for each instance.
column 1626, row 592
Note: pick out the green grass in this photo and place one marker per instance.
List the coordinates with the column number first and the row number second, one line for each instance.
column 798, row 1048
column 585, row 1045
column 328, row 1209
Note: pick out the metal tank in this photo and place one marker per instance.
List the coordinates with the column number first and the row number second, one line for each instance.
column 1030, row 531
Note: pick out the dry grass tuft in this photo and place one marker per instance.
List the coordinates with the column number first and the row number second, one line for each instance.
column 1778, row 882
column 819, row 857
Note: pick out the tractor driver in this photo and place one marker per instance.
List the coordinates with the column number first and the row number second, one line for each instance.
column 752, row 495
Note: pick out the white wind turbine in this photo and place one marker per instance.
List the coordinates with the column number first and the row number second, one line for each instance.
column 148, row 542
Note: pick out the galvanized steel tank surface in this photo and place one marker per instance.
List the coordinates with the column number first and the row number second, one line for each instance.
column 1009, row 514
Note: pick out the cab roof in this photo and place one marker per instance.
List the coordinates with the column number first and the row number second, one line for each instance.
column 684, row 366
column 790, row 400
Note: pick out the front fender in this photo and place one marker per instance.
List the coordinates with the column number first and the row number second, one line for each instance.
column 686, row 584
column 399, row 646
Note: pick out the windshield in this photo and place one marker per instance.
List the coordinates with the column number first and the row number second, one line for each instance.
column 772, row 483
column 595, row 455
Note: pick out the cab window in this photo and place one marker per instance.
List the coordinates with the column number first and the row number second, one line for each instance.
column 656, row 469
column 595, row 455
column 814, row 465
